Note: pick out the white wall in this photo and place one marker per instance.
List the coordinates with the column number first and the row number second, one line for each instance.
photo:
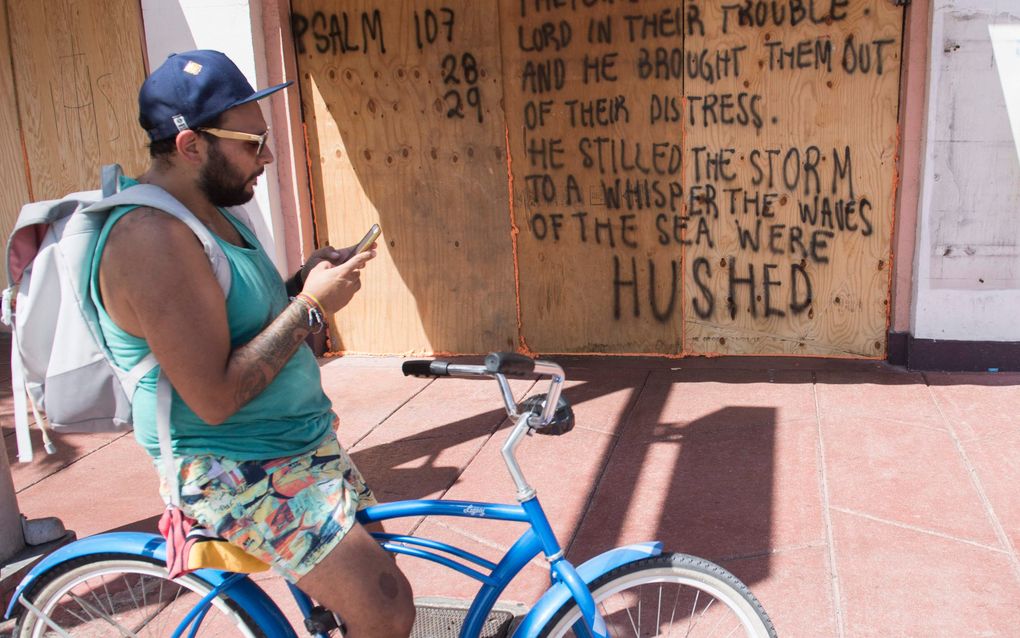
column 967, row 265
column 235, row 28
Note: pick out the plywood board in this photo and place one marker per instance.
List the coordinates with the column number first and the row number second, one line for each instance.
column 702, row 178
column 790, row 158
column 12, row 163
column 77, row 69
column 746, row 90
column 402, row 107
column 596, row 147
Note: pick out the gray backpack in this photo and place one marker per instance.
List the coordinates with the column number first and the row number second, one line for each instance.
column 58, row 355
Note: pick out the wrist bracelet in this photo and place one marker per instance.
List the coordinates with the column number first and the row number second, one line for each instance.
column 314, row 309
column 310, row 300
column 313, row 299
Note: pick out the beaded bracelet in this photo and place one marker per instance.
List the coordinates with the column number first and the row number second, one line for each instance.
column 315, row 313
column 313, row 299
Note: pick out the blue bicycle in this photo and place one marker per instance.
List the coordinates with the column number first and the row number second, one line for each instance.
column 116, row 584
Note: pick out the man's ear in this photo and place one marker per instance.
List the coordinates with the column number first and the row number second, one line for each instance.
column 189, row 148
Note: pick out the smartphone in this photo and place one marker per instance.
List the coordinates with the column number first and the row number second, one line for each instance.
column 369, row 238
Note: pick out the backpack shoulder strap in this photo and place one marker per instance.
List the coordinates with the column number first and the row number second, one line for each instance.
column 155, row 197
column 164, row 402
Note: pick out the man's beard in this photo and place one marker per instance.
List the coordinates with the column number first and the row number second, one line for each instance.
column 221, row 183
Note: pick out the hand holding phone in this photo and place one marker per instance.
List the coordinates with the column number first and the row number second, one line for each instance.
column 369, row 238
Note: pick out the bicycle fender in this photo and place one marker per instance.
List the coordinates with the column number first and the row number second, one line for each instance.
column 554, row 597
column 136, row 543
column 245, row 592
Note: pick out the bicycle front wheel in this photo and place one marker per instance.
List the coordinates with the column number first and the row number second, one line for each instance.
column 123, row 595
column 670, row 595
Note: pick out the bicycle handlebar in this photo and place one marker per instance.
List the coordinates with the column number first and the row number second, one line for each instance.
column 499, row 365
column 425, row 368
column 508, row 364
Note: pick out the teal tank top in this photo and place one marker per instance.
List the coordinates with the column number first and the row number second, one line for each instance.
column 290, row 417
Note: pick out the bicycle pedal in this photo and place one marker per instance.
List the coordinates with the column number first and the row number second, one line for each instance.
column 323, row 621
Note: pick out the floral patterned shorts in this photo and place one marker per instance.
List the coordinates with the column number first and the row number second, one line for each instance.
column 288, row 512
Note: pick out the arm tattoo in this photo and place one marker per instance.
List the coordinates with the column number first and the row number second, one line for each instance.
column 262, row 358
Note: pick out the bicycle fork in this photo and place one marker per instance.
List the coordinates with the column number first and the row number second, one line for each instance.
column 562, row 570
column 593, row 624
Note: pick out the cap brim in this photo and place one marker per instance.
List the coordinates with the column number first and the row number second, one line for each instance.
column 258, row 95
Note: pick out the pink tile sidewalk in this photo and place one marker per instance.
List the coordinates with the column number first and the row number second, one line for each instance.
column 855, row 499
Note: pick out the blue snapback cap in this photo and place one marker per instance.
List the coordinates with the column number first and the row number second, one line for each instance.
column 190, row 89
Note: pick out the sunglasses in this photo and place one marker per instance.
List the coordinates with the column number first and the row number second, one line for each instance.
column 259, row 140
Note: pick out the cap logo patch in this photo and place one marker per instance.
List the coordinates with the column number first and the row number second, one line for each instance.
column 180, row 122
column 194, row 68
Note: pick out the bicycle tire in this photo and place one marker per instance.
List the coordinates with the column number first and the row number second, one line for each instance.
column 110, row 594
column 631, row 599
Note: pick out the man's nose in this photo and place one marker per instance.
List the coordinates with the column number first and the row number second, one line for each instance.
column 266, row 156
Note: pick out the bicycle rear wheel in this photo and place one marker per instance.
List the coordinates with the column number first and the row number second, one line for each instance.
column 670, row 595
column 124, row 595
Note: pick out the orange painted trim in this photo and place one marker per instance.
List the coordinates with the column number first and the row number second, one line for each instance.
column 891, row 269
column 682, row 350
column 657, row 355
column 785, row 355
column 311, row 200
column 515, row 231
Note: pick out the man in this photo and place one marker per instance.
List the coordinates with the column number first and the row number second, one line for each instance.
column 252, row 431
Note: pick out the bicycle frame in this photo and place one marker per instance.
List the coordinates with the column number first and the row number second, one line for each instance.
column 568, row 582
column 270, row 618
column 538, row 538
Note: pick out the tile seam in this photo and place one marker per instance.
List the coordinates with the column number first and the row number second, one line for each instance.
column 918, row 529
column 823, row 483
column 860, row 417
column 975, row 480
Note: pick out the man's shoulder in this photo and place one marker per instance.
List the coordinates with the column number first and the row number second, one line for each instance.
column 145, row 232
column 144, row 223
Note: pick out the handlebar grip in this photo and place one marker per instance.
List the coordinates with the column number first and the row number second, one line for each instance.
column 510, row 364
column 425, row 368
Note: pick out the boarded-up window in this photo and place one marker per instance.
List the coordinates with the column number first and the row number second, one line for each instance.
column 681, row 178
